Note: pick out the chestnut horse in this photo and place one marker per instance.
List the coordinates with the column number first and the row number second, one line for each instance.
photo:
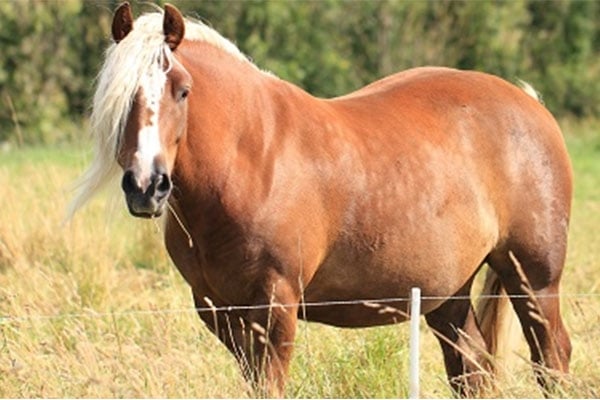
column 275, row 197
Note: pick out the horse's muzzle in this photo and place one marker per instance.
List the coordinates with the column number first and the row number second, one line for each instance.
column 146, row 200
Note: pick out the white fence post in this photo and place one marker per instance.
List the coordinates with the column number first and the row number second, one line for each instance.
column 415, row 313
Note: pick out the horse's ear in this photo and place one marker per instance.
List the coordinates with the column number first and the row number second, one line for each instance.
column 122, row 22
column 173, row 26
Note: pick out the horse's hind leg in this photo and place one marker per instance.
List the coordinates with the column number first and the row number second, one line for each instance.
column 463, row 347
column 532, row 281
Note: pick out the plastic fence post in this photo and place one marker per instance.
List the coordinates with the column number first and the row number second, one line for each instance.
column 415, row 313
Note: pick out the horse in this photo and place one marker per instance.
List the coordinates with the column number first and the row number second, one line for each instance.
column 280, row 206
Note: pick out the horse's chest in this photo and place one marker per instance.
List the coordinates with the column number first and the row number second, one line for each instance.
column 218, row 255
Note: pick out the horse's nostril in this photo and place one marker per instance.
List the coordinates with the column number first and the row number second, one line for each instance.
column 129, row 183
column 163, row 183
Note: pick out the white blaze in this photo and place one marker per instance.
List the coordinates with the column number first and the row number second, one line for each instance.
column 149, row 145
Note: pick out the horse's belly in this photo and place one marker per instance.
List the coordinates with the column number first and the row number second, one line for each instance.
column 365, row 294
column 402, row 234
column 367, row 286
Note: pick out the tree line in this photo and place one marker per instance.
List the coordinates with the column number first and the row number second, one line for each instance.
column 50, row 51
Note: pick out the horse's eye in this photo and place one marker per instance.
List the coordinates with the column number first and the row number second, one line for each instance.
column 183, row 93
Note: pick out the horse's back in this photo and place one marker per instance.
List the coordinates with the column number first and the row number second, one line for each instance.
column 454, row 117
column 471, row 115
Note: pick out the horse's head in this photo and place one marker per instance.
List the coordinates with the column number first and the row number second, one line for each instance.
column 140, row 106
column 156, row 121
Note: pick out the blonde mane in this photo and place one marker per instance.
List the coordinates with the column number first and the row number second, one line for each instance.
column 142, row 50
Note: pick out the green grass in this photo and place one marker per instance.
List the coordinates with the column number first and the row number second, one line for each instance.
column 74, row 291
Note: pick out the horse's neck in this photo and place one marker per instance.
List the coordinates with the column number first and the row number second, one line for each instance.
column 237, row 115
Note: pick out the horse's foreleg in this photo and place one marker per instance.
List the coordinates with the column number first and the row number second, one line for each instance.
column 272, row 332
column 463, row 347
column 260, row 337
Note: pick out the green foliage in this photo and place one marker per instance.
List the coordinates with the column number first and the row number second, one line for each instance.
column 51, row 50
column 563, row 54
column 50, row 54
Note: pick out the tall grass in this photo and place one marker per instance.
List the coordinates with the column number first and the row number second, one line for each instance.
column 96, row 309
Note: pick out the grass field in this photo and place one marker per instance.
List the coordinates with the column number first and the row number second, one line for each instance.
column 96, row 309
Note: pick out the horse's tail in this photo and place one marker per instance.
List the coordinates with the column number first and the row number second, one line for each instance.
column 530, row 90
column 497, row 321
